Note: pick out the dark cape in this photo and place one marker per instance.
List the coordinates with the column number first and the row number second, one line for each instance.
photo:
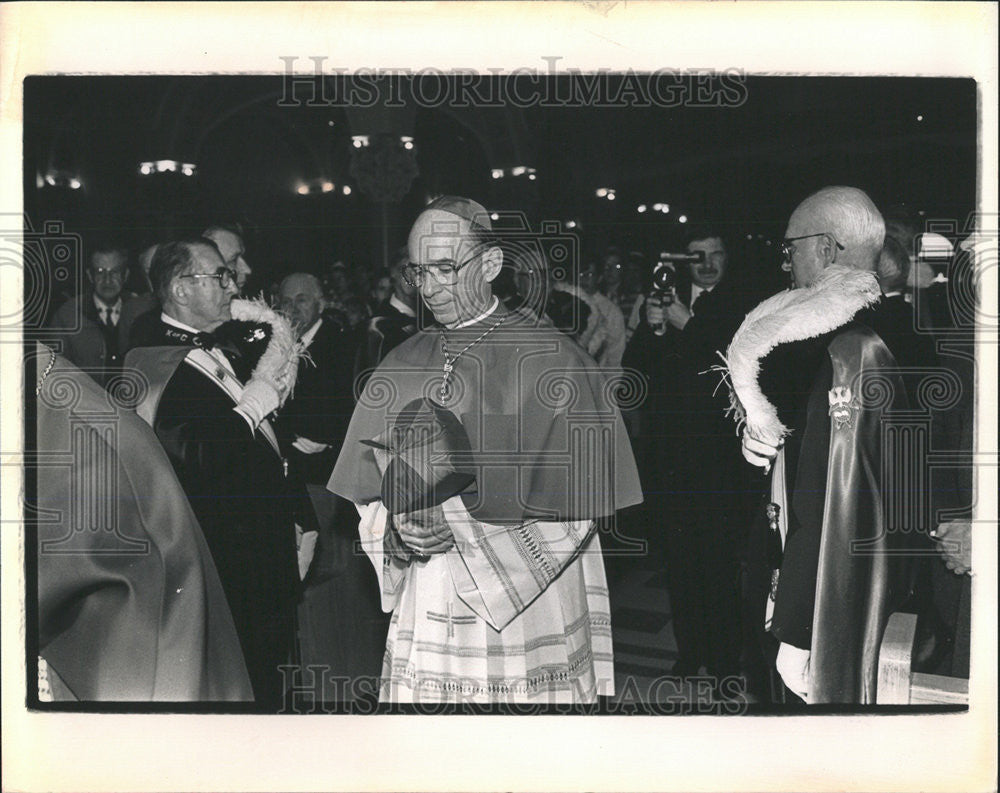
column 546, row 436
column 808, row 368
column 850, row 553
column 130, row 608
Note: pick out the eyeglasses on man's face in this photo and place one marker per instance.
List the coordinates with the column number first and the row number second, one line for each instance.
column 445, row 272
column 788, row 248
column 108, row 273
column 223, row 275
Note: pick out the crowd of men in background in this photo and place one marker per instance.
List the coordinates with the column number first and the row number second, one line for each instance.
column 704, row 505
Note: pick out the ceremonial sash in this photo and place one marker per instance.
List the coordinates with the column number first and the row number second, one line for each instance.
column 779, row 497
column 212, row 368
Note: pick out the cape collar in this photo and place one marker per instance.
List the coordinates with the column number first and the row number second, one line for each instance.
column 793, row 315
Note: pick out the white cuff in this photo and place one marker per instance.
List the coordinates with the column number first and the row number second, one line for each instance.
column 259, row 400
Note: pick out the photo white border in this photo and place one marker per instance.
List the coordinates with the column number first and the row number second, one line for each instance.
column 165, row 752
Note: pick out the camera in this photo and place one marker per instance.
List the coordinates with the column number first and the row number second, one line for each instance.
column 665, row 275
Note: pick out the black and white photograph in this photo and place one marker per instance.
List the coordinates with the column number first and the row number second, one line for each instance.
column 364, row 397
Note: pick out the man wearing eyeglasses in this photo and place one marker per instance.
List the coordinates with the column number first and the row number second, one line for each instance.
column 838, row 559
column 210, row 414
column 90, row 325
column 497, row 587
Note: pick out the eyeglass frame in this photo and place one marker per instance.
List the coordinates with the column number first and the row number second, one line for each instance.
column 786, row 252
column 117, row 273
column 221, row 273
column 417, row 282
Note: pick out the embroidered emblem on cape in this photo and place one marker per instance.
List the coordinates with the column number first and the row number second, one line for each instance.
column 843, row 406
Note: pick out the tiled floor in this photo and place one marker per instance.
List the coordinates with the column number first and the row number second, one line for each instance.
column 644, row 644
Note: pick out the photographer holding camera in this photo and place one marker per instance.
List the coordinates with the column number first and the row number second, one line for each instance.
column 691, row 481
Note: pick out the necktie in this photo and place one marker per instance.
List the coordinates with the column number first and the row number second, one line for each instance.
column 109, row 317
column 694, row 303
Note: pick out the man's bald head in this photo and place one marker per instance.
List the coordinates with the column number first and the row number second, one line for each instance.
column 451, row 249
column 835, row 225
column 301, row 300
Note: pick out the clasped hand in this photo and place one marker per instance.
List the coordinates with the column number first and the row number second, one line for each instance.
column 954, row 539
column 425, row 531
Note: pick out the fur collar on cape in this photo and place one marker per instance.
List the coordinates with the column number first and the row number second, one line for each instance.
column 793, row 315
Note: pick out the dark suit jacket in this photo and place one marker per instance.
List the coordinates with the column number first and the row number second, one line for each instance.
column 87, row 341
column 388, row 328
column 235, row 482
column 321, row 406
column 693, row 438
column 895, row 323
column 146, row 329
column 144, row 308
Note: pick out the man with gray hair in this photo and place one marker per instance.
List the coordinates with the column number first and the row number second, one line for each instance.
column 215, row 371
column 342, row 628
column 801, row 369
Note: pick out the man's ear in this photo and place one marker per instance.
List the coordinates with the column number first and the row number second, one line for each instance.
column 178, row 292
column 828, row 249
column 492, row 263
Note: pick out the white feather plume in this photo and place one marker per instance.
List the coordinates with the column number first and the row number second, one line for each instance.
column 797, row 314
column 279, row 365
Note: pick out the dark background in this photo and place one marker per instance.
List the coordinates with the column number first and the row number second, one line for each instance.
column 744, row 166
